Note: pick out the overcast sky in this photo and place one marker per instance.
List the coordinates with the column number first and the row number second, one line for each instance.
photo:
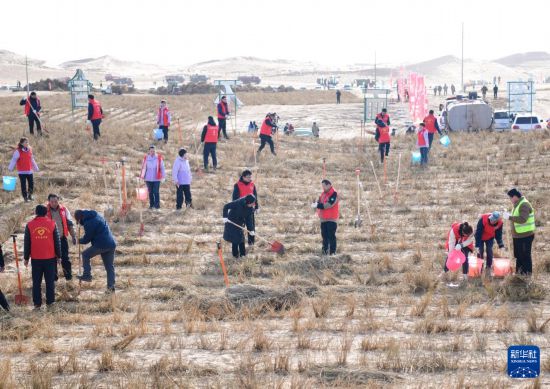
column 335, row 32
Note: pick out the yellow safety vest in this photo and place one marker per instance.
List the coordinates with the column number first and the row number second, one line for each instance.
column 529, row 225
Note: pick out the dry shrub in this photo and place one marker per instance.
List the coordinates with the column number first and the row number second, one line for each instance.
column 260, row 341
column 420, row 308
column 45, row 346
column 533, row 326
column 6, row 375
column 259, row 300
column 334, row 376
column 40, row 376
column 419, row 281
column 321, row 306
column 519, row 288
column 431, row 325
column 106, row 362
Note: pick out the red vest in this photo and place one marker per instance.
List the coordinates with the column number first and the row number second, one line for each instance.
column 429, row 124
column 421, row 139
column 28, row 108
column 42, row 244
column 330, row 213
column 266, row 128
column 385, row 118
column 211, row 134
column 159, row 169
column 163, row 116
column 224, row 108
column 245, row 190
column 458, row 239
column 97, row 110
column 488, row 229
column 24, row 163
column 384, row 134
column 63, row 214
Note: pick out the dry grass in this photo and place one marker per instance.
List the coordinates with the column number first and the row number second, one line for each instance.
column 374, row 315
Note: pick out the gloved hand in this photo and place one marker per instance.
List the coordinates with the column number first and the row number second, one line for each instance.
column 225, row 220
column 251, row 233
column 314, row 205
column 74, row 240
column 257, row 210
column 88, row 122
column 506, row 215
column 458, row 246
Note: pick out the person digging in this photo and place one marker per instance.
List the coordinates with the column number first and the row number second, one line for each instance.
column 234, row 215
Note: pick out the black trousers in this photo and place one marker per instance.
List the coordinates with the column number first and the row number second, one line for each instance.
column 33, row 119
column 328, row 232
column 43, row 269
column 183, row 190
column 266, row 139
column 238, row 249
column 165, row 132
column 522, row 252
column 95, row 126
column 487, row 246
column 465, row 267
column 209, row 149
column 25, row 179
column 65, row 260
column 222, row 123
column 384, row 149
column 250, row 226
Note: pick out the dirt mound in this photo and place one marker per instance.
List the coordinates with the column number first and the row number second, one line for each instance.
column 518, row 288
column 15, row 328
column 339, row 264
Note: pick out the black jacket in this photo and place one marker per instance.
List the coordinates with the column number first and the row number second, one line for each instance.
column 34, row 104
column 236, row 211
column 28, row 243
column 237, row 194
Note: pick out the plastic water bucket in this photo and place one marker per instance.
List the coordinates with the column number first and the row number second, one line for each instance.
column 445, row 141
column 142, row 193
column 158, row 134
column 455, row 260
column 501, row 267
column 8, row 183
column 475, row 265
column 416, row 157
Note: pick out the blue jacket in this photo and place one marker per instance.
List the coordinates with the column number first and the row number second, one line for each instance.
column 96, row 231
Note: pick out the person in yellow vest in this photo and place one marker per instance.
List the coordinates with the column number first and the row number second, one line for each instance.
column 43, row 247
column 328, row 210
column 522, row 221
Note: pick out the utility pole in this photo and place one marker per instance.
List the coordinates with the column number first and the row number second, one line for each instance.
column 462, row 61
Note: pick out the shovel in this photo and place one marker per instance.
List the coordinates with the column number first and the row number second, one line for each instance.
column 222, row 263
column 20, row 299
column 358, row 222
column 276, row 247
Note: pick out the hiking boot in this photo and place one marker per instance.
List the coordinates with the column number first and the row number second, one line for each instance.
column 85, row 278
column 36, row 308
column 110, row 290
column 30, row 197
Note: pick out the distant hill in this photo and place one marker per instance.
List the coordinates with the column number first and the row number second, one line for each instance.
column 522, row 59
column 109, row 64
column 11, row 58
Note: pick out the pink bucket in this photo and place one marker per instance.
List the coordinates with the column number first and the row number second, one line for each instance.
column 142, row 193
column 475, row 265
column 455, row 259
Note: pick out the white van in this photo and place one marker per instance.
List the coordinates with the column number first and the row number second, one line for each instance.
column 502, row 120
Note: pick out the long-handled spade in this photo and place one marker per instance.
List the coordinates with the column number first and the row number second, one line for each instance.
column 276, row 247
column 358, row 222
column 20, row 299
column 222, row 263
column 79, row 262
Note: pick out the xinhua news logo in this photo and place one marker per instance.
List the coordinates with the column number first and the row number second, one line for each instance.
column 523, row 361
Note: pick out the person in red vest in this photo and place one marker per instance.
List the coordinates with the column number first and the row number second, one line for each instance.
column 65, row 226
column 489, row 228
column 266, row 130
column 164, row 119
column 460, row 237
column 43, row 247
column 328, row 210
column 422, row 142
column 95, row 114
column 210, row 137
column 432, row 126
column 223, row 114
column 382, row 135
column 152, row 172
column 23, row 159
column 32, row 112
column 243, row 188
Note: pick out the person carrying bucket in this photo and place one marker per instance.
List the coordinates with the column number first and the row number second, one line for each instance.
column 266, row 131
column 23, row 159
column 382, row 135
column 234, row 215
column 32, row 112
column 181, row 176
column 423, row 144
column 95, row 115
column 489, row 228
column 164, row 119
column 327, row 207
column 460, row 237
column 523, row 230
column 210, row 137
column 152, row 172
column 243, row 188
column 432, row 126
column 43, row 247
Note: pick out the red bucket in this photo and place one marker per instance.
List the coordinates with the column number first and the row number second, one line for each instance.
column 475, row 266
column 142, row 193
column 501, row 267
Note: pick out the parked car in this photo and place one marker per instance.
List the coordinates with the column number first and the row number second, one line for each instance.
column 502, row 120
column 347, row 87
column 527, row 122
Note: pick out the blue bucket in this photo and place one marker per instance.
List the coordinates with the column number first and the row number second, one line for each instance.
column 445, row 141
column 8, row 183
column 416, row 157
column 158, row 134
